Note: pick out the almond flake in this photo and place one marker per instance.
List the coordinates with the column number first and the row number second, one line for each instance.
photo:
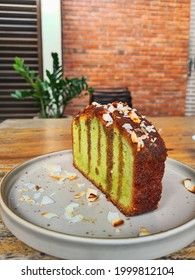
column 58, row 177
column 134, row 117
column 24, row 197
column 91, row 195
column 49, row 215
column 134, row 137
column 117, row 223
column 140, row 143
column 107, row 118
column 153, row 140
column 96, row 104
column 144, row 231
column 79, row 185
column 189, row 185
column 150, row 128
column 69, row 210
column 36, row 195
column 76, row 219
column 80, row 194
column 111, row 109
column 114, row 219
column 71, row 178
column 46, row 200
column 127, row 126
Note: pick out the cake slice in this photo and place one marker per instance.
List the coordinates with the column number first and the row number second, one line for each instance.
column 122, row 154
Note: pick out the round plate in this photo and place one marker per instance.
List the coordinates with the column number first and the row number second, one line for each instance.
column 39, row 206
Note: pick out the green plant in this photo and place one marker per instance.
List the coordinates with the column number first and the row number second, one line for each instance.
column 51, row 94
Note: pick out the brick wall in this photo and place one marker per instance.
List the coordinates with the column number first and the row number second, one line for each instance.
column 190, row 94
column 139, row 44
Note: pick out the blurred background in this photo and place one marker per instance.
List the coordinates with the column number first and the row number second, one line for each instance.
column 147, row 46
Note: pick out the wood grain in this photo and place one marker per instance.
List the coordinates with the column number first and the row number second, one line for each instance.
column 21, row 140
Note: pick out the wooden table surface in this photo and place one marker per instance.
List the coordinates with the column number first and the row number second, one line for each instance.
column 24, row 139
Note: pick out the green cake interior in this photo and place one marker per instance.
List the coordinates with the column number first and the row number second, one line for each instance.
column 105, row 157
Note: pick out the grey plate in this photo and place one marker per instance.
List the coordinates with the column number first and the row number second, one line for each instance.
column 28, row 192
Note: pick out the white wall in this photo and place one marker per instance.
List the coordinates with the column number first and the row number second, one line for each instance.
column 51, row 31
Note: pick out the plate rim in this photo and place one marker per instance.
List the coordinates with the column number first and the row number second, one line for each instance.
column 84, row 239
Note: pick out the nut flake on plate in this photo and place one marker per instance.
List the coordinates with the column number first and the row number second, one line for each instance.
column 189, row 185
column 76, row 219
column 114, row 219
column 73, row 177
column 69, row 213
column 58, row 177
column 79, row 185
column 144, row 231
column 80, row 194
column 49, row 215
column 91, row 195
column 69, row 210
column 27, row 199
column 46, row 200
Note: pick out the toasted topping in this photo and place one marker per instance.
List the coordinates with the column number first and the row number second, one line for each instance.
column 46, row 200
column 111, row 109
column 27, row 199
column 117, row 223
column 80, row 194
column 49, row 215
column 76, row 219
column 189, row 185
column 134, row 137
column 108, row 119
column 91, row 195
column 114, row 219
column 134, row 117
column 136, row 125
column 58, row 177
column 150, row 128
column 127, row 126
column 79, row 185
column 69, row 210
column 71, row 178
column 144, row 231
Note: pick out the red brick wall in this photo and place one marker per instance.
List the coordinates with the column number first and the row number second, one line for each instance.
column 141, row 44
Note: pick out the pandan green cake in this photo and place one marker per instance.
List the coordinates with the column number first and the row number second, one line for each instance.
column 122, row 154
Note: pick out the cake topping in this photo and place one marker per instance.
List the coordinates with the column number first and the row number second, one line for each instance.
column 135, row 125
column 134, row 117
column 107, row 118
column 127, row 126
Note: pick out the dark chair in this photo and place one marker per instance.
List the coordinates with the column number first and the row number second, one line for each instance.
column 109, row 95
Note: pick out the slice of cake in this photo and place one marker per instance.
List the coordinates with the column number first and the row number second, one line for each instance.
column 122, row 154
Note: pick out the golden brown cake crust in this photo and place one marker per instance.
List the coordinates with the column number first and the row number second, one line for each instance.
column 148, row 149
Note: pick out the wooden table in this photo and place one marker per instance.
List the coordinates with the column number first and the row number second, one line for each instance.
column 23, row 139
